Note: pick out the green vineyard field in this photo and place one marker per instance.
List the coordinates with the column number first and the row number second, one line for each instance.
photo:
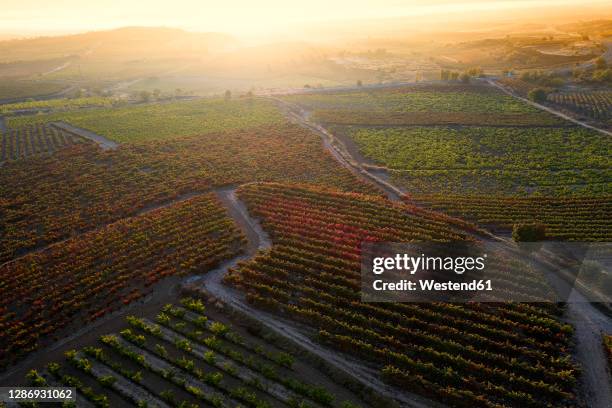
column 162, row 121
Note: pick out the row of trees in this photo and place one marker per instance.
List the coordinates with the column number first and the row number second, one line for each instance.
column 447, row 75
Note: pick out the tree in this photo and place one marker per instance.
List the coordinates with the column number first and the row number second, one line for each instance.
column 444, row 75
column 537, row 94
column 529, row 232
column 228, row 94
column 359, row 83
column 156, row 93
column 464, row 77
column 145, row 96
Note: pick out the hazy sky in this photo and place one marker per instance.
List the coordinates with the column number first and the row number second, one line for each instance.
column 231, row 16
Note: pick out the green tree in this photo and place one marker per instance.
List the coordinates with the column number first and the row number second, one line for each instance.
column 528, row 232
column 145, row 96
column 537, row 94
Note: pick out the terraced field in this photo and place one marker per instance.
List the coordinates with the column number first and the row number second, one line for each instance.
column 186, row 358
column 163, row 121
column 472, row 354
column 34, row 140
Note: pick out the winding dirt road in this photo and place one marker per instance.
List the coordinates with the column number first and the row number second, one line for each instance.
column 259, row 240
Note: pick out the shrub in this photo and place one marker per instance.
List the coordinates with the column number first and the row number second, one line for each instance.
column 532, row 232
column 107, row 380
column 537, row 95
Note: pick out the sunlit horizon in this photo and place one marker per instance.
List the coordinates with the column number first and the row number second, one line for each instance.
column 243, row 17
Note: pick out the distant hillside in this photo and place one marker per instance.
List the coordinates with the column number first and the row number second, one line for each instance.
column 129, row 42
column 601, row 28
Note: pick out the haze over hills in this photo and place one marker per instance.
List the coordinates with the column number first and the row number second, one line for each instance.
column 333, row 53
column 132, row 42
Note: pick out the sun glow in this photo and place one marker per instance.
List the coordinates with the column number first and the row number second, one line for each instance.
column 239, row 17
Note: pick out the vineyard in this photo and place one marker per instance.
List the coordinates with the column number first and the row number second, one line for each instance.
column 575, row 218
column 435, row 98
column 452, row 146
column 163, row 121
column 468, row 355
column 596, row 104
column 33, row 140
column 89, row 276
column 186, row 358
column 593, row 104
column 346, row 211
column 489, row 159
column 77, row 189
column 370, row 118
column 57, row 104
column 517, row 85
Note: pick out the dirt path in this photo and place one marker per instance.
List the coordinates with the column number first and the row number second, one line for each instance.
column 589, row 323
column 547, row 109
column 338, row 149
column 259, row 240
column 105, row 144
column 58, row 68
